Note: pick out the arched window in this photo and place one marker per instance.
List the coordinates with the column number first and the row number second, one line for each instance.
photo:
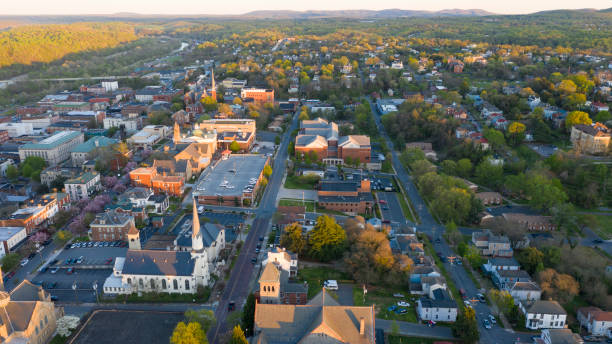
column 163, row 284
column 46, row 320
column 129, row 281
column 175, row 282
column 187, row 284
column 140, row 283
column 41, row 324
column 36, row 329
column 152, row 284
column 272, row 288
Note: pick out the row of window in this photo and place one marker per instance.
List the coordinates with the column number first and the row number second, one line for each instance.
column 164, row 285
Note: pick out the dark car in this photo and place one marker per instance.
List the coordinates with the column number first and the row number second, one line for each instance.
column 254, row 260
column 261, row 238
column 32, row 255
column 231, row 306
column 67, row 247
column 597, row 241
column 53, row 262
column 401, row 311
column 54, row 298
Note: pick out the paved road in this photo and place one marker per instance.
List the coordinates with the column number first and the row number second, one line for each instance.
column 237, row 286
column 430, row 227
column 391, row 210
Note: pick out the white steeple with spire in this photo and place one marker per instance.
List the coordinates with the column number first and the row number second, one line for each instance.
column 196, row 236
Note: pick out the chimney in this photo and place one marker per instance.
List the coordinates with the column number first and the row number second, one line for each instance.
column 362, row 326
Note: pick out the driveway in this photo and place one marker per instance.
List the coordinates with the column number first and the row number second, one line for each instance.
column 345, row 294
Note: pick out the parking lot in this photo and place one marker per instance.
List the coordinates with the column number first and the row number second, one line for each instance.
column 95, row 266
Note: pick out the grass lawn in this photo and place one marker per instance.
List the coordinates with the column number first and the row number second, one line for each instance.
column 383, row 298
column 391, row 339
column 297, row 202
column 295, row 182
column 315, row 276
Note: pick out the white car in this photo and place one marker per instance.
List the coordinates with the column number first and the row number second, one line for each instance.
column 492, row 319
column 467, row 303
column 331, row 285
column 403, row 304
column 24, row 261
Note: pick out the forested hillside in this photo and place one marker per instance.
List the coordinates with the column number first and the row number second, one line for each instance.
column 45, row 43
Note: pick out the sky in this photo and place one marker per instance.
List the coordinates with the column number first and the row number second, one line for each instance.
column 193, row 7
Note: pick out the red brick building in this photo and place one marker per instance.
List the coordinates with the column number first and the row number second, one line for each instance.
column 257, row 95
column 160, row 183
column 348, row 197
column 111, row 226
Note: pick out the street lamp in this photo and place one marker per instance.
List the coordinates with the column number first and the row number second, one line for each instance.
column 95, row 288
column 74, row 287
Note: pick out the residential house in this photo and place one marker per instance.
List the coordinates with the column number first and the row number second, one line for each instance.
column 595, row 321
column 525, row 291
column 489, row 244
column 489, row 198
column 498, row 263
column 558, row 336
column 83, row 186
column 531, row 222
column 283, row 259
column 320, row 319
column 426, row 147
column 439, row 308
column 541, row 314
column 591, row 139
column 505, row 279
column 111, row 226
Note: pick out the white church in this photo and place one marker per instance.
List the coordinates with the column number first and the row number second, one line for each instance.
column 165, row 271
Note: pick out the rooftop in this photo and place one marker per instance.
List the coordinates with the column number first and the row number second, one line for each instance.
column 8, row 232
column 157, row 262
column 232, row 176
column 53, row 141
column 82, row 179
column 93, row 143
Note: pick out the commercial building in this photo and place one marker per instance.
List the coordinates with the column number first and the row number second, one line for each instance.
column 80, row 153
column 164, row 182
column 110, row 226
column 283, row 259
column 233, row 83
column 348, row 197
column 234, row 181
column 591, row 139
column 35, row 214
column 321, row 318
column 83, row 186
column 319, row 138
column 54, row 149
column 228, row 130
column 130, row 123
column 148, row 136
column 28, row 314
column 9, row 237
column 17, row 129
column 257, row 95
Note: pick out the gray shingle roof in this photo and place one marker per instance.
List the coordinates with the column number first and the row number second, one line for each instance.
column 163, row 263
column 545, row 307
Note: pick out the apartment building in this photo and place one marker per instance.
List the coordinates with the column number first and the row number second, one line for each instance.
column 54, row 149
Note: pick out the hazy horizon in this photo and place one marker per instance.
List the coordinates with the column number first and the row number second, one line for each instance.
column 238, row 7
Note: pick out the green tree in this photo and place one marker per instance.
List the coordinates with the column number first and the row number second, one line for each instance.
column 12, row 172
column 531, row 259
column 238, row 336
column 466, row 327
column 293, row 238
column 209, row 103
column 464, row 168
column 603, row 116
column 449, row 167
column 190, row 333
column 205, row 317
column 495, row 138
column 489, row 173
column 267, row 171
column 327, row 239
column 577, row 117
column 234, row 146
column 10, row 261
column 248, row 315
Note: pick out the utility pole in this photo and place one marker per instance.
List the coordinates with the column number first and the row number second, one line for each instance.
column 74, row 287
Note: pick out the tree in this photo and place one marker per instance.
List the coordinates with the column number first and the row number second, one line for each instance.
column 238, row 336
column 464, row 168
column 303, row 116
column 577, row 117
column 293, row 239
column 603, row 116
column 237, row 101
column 327, row 239
column 489, row 173
column 531, row 259
column 267, row 171
column 204, row 317
column 516, row 133
column 248, row 315
column 190, row 333
column 10, row 261
column 449, row 167
column 466, row 327
column 12, row 173
column 209, row 103
column 62, row 236
column 66, row 324
column 560, row 287
column 234, row 146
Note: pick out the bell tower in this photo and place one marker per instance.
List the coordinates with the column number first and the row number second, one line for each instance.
column 177, row 133
column 133, row 236
column 213, row 87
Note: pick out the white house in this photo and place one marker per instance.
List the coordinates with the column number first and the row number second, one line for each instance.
column 595, row 321
column 83, row 186
column 283, row 259
column 9, row 237
column 440, row 308
column 501, row 264
column 541, row 314
column 525, row 291
column 130, row 124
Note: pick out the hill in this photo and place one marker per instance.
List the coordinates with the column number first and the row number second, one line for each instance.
column 363, row 14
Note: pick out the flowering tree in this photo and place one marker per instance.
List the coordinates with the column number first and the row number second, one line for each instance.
column 129, row 166
column 109, row 182
column 67, row 324
column 119, row 188
column 39, row 237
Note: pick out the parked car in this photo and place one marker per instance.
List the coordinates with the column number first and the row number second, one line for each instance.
column 32, row 255
column 401, row 311
column 69, row 271
column 331, row 285
column 392, row 308
column 54, row 270
column 54, row 298
column 467, row 303
column 254, row 260
column 108, row 261
column 486, row 324
column 403, row 304
column 80, row 260
column 24, row 261
column 10, row 274
column 231, row 306
column 492, row 319
column 398, row 295
column 481, row 298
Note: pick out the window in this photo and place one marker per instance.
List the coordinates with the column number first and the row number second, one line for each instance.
column 272, row 288
column 187, row 284
column 140, row 283
column 46, row 320
column 175, row 284
column 152, row 284
column 164, row 284
column 129, row 281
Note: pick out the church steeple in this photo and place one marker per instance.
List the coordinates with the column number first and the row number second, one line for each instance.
column 177, row 133
column 213, row 87
column 196, row 236
column 133, row 236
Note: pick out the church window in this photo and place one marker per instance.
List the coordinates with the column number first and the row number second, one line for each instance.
column 152, row 284
column 175, row 282
column 272, row 288
column 140, row 283
column 46, row 320
column 129, row 281
column 187, row 284
column 163, row 284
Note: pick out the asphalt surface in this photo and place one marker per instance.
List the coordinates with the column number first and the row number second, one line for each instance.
column 391, row 210
column 430, row 227
column 237, row 287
